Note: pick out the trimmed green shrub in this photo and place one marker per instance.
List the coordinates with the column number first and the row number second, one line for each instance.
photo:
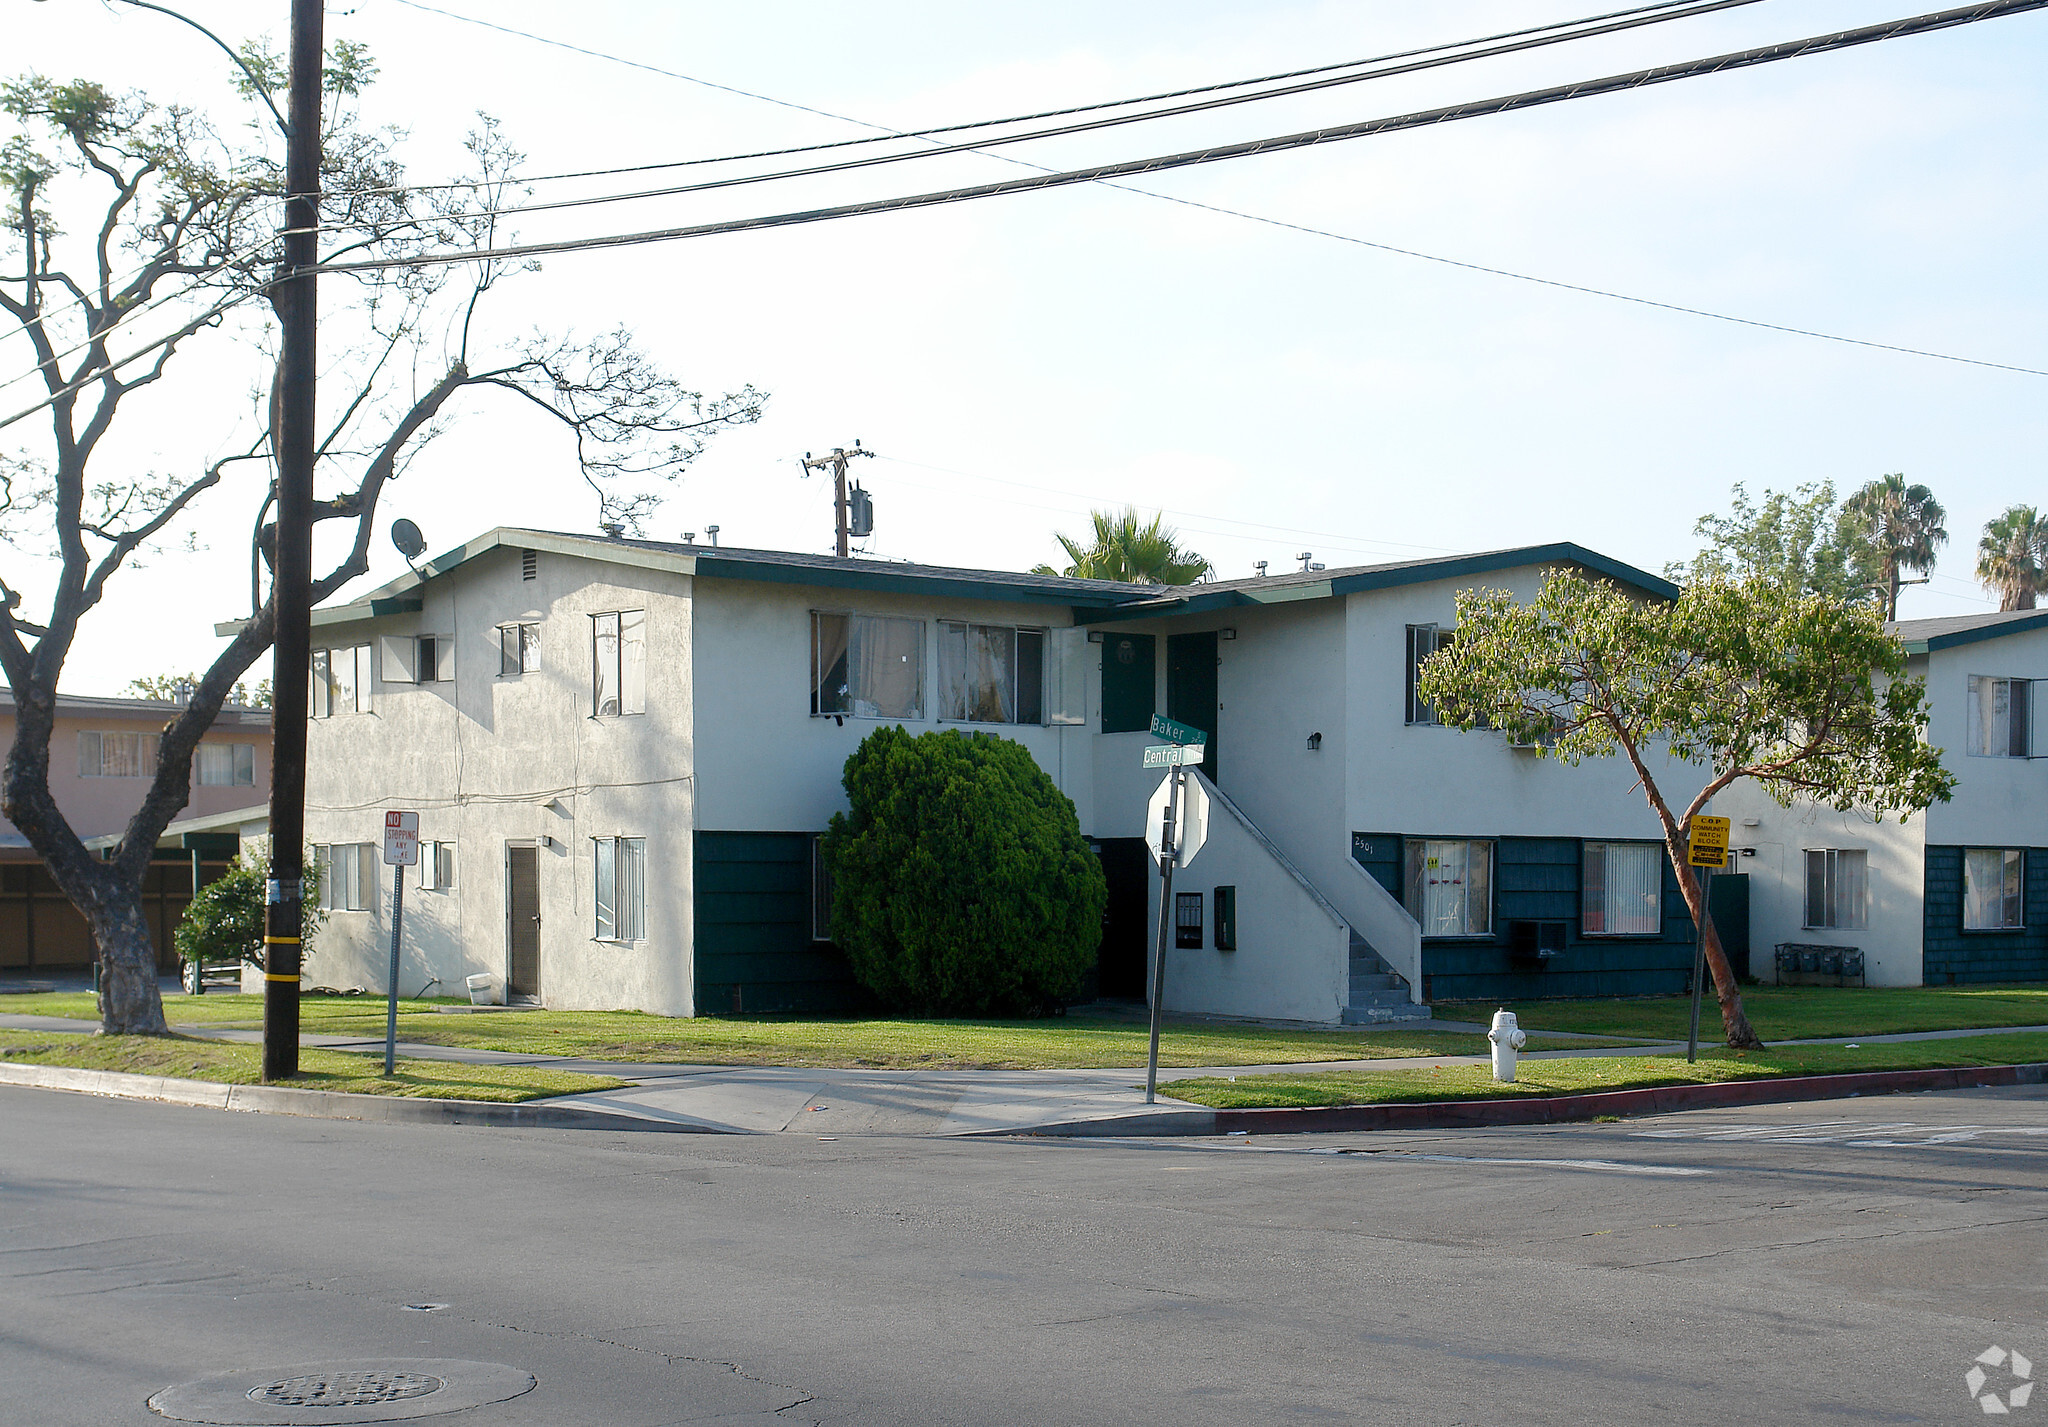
column 225, row 921
column 960, row 881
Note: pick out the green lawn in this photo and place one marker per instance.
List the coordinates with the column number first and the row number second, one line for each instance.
column 187, row 1058
column 1576, row 1076
column 1783, row 1012
column 1059, row 1043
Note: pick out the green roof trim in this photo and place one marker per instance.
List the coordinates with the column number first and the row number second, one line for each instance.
column 950, row 587
column 1452, row 567
column 1977, row 634
column 398, row 605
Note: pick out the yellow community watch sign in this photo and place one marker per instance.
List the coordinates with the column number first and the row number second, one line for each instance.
column 1709, row 841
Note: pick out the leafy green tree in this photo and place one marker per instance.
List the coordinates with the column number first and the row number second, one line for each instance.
column 179, row 688
column 135, row 233
column 2012, row 556
column 1897, row 526
column 1794, row 541
column 1132, row 551
column 1807, row 695
column 225, row 921
column 960, row 881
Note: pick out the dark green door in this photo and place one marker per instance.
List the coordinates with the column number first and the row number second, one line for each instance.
column 1191, row 687
column 1126, row 682
column 1728, row 905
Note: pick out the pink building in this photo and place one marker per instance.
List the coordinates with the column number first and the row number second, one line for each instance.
column 102, row 756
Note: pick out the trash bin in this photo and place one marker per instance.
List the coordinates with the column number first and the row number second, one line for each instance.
column 482, row 990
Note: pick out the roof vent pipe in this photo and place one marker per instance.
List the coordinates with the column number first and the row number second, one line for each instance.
column 1261, row 568
column 1305, row 556
column 712, row 531
column 613, row 530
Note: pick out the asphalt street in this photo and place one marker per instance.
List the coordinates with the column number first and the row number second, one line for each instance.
column 1842, row 1261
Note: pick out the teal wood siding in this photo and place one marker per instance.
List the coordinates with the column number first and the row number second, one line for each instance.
column 1951, row 956
column 1128, row 662
column 1537, row 879
column 754, row 951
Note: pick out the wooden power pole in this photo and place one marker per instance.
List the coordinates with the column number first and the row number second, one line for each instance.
column 292, row 438
column 841, row 522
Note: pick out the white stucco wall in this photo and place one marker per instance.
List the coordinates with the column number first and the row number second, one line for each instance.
column 1292, row 960
column 489, row 761
column 765, row 764
column 1998, row 802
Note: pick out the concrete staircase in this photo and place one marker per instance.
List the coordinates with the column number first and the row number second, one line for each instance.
column 1378, row 996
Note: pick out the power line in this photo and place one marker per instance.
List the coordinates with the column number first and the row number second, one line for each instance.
column 940, row 150
column 888, row 134
column 1896, row 29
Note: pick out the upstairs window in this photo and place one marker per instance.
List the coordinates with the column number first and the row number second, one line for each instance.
column 341, row 681
column 991, row 673
column 1450, row 887
column 419, row 658
column 2001, row 721
column 621, row 888
column 867, row 666
column 1423, row 641
column 117, row 755
column 1621, row 889
column 619, row 663
column 1837, row 888
column 1994, row 889
column 227, row 765
column 518, row 650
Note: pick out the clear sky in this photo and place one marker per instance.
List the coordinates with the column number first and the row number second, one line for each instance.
column 1019, row 360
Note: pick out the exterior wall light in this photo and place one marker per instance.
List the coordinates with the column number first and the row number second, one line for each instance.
column 1315, row 743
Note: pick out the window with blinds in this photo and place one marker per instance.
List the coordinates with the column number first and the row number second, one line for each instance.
column 1837, row 887
column 1621, row 889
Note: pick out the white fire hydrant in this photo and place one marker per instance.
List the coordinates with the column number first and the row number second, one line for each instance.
column 1508, row 1040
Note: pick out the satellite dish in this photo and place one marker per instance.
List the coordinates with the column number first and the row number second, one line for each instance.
column 406, row 536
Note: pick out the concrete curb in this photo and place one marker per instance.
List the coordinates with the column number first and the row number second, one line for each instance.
column 1545, row 1110
column 333, row 1104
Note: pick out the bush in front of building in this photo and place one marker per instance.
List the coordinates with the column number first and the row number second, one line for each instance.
column 961, row 884
column 225, row 921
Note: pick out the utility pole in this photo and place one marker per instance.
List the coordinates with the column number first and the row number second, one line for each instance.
column 292, row 439
column 842, row 521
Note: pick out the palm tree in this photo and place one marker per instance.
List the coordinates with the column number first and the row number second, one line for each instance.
column 2012, row 558
column 1900, row 526
column 1134, row 553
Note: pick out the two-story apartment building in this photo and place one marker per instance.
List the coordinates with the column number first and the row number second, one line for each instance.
column 622, row 753
column 102, row 757
column 1958, row 893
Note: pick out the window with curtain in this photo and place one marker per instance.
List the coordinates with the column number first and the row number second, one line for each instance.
column 518, row 650
column 348, row 875
column 991, row 673
column 1994, row 889
column 621, row 895
column 1621, row 889
column 437, row 866
column 1423, row 641
column 2001, row 717
column 619, row 663
column 117, row 755
column 867, row 666
column 1837, row 887
column 341, row 681
column 1449, row 886
column 227, row 765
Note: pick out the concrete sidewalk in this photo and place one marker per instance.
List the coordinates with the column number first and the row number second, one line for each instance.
column 772, row 1099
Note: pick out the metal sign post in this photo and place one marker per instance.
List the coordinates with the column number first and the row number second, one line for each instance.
column 401, row 850
column 1167, row 855
column 1707, row 850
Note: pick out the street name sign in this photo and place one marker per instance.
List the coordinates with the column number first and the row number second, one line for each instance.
column 1174, row 732
column 1191, row 827
column 1709, row 842
column 1173, row 755
column 401, row 839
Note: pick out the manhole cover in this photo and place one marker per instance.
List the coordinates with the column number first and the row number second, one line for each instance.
column 347, row 1392
column 345, row 1389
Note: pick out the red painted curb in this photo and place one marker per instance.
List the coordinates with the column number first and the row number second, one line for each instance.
column 1657, row 1100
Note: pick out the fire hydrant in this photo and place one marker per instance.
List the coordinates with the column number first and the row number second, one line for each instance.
column 1508, row 1040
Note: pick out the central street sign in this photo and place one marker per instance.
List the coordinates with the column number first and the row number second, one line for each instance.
column 401, row 839
column 1173, row 755
column 1175, row 732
